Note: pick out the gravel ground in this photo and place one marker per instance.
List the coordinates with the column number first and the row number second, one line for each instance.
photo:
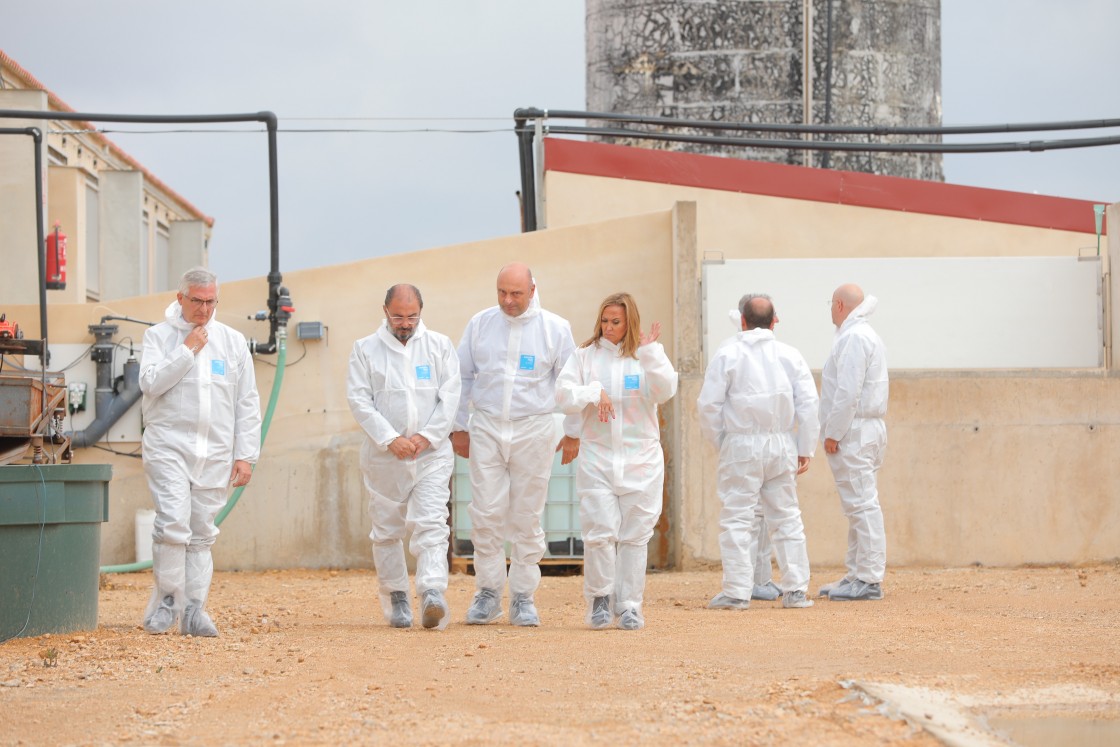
column 305, row 658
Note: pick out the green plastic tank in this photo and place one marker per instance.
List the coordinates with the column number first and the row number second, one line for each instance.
column 50, row 545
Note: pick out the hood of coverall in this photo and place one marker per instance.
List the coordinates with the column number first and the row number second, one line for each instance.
column 173, row 315
column 755, row 336
column 534, row 308
column 860, row 313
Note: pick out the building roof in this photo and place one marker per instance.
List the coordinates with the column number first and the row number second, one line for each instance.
column 57, row 104
column 819, row 185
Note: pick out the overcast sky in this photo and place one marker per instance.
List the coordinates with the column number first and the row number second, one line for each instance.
column 466, row 65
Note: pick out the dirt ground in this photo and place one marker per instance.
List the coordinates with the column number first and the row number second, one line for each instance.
column 305, row 658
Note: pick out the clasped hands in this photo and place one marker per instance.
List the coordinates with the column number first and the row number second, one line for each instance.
column 408, row 447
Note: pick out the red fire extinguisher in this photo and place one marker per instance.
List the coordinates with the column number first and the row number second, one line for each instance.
column 56, row 259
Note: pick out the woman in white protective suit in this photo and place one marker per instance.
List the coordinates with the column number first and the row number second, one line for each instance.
column 202, row 434
column 615, row 381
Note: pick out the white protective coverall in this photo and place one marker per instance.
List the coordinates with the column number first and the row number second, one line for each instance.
column 763, row 549
column 509, row 367
column 756, row 390
column 621, row 473
column 397, row 389
column 854, row 392
column 201, row 413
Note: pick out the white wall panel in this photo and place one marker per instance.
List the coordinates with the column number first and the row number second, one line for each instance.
column 934, row 313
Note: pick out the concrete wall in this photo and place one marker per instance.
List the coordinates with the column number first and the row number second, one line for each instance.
column 67, row 189
column 998, row 469
column 121, row 233
column 188, row 249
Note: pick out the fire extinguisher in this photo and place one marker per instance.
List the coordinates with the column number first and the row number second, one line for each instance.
column 56, row 259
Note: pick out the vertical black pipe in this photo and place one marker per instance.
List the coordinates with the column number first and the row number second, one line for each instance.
column 826, row 156
column 274, row 276
column 41, row 243
column 528, row 178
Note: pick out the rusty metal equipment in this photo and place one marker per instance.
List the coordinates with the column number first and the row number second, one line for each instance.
column 32, row 410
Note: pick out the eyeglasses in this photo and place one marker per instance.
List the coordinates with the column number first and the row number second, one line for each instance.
column 400, row 319
column 203, row 301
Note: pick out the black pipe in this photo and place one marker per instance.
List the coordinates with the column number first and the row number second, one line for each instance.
column 41, row 243
column 36, row 136
column 528, row 177
column 274, row 277
column 37, row 347
column 276, row 315
column 1086, row 124
column 826, row 156
column 137, row 118
column 1028, row 145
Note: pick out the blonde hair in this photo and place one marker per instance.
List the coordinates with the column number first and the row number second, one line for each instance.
column 633, row 336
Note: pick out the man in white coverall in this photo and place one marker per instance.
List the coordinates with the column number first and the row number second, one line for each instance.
column 755, row 391
column 403, row 388
column 764, row 586
column 202, row 434
column 854, row 392
column 509, row 357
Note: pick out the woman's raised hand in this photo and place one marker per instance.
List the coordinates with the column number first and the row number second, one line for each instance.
column 654, row 333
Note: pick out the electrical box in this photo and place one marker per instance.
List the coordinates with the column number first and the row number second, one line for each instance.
column 310, row 331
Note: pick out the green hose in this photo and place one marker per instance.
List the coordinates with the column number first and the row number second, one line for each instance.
column 281, row 357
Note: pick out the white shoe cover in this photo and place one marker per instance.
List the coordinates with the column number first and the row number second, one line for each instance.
column 168, row 591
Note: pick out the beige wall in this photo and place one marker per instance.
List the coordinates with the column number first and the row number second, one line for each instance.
column 998, row 469
column 67, row 207
column 747, row 225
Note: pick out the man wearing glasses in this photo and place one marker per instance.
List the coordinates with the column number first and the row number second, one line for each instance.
column 202, row 434
column 403, row 388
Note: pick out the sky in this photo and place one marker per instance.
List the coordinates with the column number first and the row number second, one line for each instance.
column 440, row 65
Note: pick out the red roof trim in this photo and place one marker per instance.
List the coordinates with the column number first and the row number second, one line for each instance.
column 58, row 104
column 819, row 185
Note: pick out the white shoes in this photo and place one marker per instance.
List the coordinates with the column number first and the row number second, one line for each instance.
column 796, row 600
column 522, row 611
column 723, row 602
column 486, row 607
column 401, row 616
